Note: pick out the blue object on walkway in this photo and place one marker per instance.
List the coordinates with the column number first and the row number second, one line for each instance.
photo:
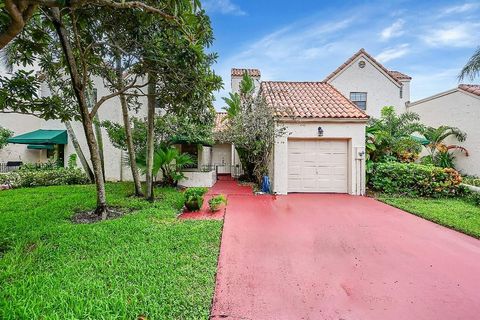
column 266, row 184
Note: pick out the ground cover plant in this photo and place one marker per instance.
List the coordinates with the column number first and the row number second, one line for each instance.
column 146, row 263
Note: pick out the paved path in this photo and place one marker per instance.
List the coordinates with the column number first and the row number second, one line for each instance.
column 341, row 257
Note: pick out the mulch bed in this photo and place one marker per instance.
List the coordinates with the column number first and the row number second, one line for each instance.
column 86, row 217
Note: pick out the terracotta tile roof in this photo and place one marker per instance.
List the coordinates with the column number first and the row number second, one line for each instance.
column 471, row 88
column 309, row 100
column 251, row 72
column 398, row 75
column 219, row 121
column 355, row 56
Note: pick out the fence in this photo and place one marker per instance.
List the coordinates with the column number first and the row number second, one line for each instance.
column 8, row 167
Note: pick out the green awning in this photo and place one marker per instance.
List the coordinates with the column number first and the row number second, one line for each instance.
column 422, row 140
column 42, row 137
column 40, row 147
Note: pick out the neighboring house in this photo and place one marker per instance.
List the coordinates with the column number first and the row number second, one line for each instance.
column 370, row 85
column 459, row 107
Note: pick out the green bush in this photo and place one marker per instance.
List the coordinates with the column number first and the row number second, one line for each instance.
column 50, row 177
column 216, row 202
column 416, row 180
column 194, row 198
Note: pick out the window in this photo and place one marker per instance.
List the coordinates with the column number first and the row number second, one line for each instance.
column 401, row 92
column 360, row 99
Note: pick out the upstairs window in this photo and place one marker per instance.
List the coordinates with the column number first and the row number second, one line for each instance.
column 401, row 92
column 360, row 99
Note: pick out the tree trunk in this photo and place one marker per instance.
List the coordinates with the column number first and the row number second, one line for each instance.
column 79, row 151
column 150, row 134
column 79, row 90
column 99, row 137
column 128, row 134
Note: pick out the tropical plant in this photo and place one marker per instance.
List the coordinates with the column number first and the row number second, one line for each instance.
column 169, row 161
column 216, row 202
column 194, row 198
column 252, row 127
column 439, row 152
column 472, row 68
column 5, row 134
column 390, row 137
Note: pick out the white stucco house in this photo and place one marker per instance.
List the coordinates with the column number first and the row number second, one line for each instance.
column 370, row 85
column 458, row 107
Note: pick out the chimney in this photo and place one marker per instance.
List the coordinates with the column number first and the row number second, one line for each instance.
column 237, row 75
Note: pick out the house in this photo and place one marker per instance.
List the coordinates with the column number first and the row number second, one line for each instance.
column 370, row 85
column 324, row 145
column 458, row 107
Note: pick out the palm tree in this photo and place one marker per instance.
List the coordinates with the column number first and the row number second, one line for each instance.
column 439, row 151
column 170, row 161
column 472, row 68
column 391, row 135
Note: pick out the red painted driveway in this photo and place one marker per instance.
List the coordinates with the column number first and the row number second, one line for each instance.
column 341, row 257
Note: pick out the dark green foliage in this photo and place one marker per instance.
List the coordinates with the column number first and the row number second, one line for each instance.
column 147, row 263
column 415, row 180
column 194, row 198
column 25, row 178
column 169, row 161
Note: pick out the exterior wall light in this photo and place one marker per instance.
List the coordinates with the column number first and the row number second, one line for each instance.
column 320, row 132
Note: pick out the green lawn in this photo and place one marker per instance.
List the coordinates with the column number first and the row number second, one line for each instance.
column 145, row 263
column 456, row 214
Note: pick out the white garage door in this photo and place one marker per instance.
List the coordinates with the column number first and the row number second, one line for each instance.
column 318, row 166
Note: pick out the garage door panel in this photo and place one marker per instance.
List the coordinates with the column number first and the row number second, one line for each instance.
column 318, row 166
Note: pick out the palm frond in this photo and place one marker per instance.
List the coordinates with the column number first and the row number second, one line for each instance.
column 472, row 69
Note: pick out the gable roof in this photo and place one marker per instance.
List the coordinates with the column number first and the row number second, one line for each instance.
column 395, row 76
column 398, row 75
column 471, row 88
column 237, row 72
column 309, row 100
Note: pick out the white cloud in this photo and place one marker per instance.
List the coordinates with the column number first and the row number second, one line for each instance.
column 466, row 7
column 394, row 30
column 224, row 7
column 455, row 35
column 393, row 53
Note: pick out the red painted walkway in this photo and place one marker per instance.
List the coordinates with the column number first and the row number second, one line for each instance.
column 341, row 257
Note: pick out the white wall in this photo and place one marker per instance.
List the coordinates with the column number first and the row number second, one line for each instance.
column 381, row 90
column 110, row 110
column 457, row 109
column 353, row 131
column 20, row 124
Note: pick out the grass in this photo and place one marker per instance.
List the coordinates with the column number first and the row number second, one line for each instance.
column 454, row 213
column 146, row 263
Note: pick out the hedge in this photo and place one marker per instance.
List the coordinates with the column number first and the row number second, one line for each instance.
column 50, row 177
column 415, row 180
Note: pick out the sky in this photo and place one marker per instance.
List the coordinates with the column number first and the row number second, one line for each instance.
column 305, row 40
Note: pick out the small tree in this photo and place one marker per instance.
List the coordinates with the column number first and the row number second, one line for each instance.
column 390, row 137
column 252, row 127
column 439, row 152
column 5, row 134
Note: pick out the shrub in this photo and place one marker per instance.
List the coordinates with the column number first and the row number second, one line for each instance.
column 194, row 198
column 51, row 177
column 216, row 202
column 416, row 180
